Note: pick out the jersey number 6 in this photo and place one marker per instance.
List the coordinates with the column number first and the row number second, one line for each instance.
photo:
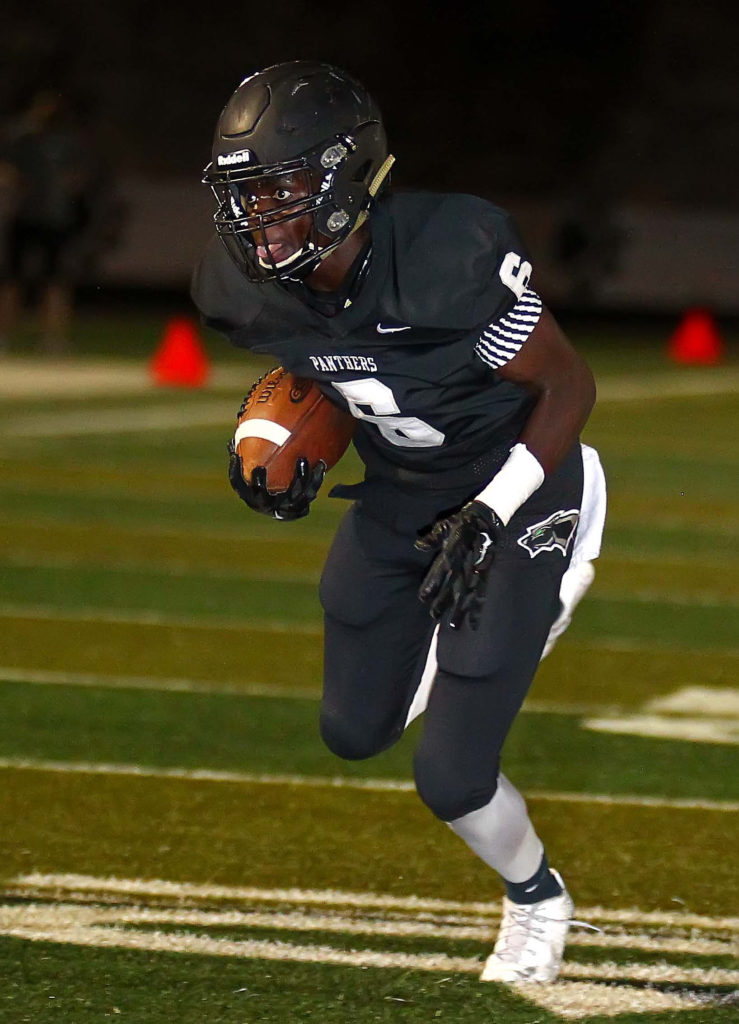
column 403, row 431
column 514, row 274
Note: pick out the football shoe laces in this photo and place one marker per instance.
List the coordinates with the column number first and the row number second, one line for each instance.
column 531, row 940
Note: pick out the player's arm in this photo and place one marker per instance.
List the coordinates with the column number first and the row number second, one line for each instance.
column 549, row 366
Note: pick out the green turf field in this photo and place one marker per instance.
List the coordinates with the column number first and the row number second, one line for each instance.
column 175, row 843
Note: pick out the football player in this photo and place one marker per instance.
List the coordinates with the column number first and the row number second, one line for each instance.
column 470, row 539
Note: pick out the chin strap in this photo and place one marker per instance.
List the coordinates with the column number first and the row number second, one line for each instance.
column 374, row 188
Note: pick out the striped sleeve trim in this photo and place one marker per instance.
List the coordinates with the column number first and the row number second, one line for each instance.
column 502, row 339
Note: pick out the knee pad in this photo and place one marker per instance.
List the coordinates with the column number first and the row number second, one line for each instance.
column 446, row 793
column 351, row 740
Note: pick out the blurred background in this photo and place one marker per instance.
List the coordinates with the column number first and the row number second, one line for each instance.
column 611, row 131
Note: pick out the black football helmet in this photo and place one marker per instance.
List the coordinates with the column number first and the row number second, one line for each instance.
column 314, row 122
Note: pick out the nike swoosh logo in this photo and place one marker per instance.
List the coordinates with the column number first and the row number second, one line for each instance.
column 391, row 330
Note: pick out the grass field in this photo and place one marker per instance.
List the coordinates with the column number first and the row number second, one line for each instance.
column 177, row 846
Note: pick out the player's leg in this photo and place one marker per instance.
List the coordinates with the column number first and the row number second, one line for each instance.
column 482, row 679
column 55, row 300
column 376, row 636
column 10, row 288
column 480, row 685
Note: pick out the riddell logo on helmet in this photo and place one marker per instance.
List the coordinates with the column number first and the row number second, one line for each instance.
column 243, row 156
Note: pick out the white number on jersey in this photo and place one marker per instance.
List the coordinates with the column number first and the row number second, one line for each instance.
column 514, row 274
column 403, row 431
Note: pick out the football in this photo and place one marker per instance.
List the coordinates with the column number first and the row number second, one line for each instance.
column 284, row 418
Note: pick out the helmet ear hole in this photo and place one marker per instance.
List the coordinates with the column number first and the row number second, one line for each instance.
column 363, row 172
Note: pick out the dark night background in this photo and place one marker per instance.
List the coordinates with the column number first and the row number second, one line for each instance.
column 547, row 102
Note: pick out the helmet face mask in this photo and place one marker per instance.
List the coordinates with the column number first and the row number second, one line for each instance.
column 309, row 123
column 256, row 232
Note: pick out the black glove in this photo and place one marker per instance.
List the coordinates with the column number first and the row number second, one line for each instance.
column 294, row 503
column 456, row 580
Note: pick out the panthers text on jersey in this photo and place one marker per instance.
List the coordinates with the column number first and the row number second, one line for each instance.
column 445, row 302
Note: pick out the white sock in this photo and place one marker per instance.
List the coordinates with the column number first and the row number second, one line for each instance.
column 502, row 835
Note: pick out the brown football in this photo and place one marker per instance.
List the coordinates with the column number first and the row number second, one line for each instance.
column 284, row 418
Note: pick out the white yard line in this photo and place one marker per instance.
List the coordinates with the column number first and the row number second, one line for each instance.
column 584, row 988
column 349, row 923
column 252, row 530
column 341, row 782
column 675, row 384
column 125, row 420
column 702, row 729
column 82, row 924
column 259, row 574
column 154, row 618
column 569, row 1002
column 177, row 567
column 52, row 613
column 683, row 599
column 244, row 688
column 39, row 884
column 26, row 377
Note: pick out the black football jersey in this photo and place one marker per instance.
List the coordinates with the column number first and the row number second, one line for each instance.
column 445, row 302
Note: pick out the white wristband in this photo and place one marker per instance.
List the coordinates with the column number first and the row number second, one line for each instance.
column 517, row 479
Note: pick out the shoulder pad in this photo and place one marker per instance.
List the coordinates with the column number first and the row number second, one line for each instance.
column 447, row 251
column 227, row 301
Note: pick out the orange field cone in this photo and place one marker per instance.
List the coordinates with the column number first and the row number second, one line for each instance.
column 696, row 339
column 180, row 361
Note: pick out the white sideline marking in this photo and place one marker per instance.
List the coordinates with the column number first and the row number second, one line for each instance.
column 696, row 599
column 176, row 567
column 95, row 680
column 27, row 377
column 694, row 730
column 101, row 928
column 26, row 560
column 107, row 682
column 571, row 1000
column 702, row 700
column 39, row 883
column 123, row 421
column 724, row 381
column 24, row 377
column 66, row 916
column 340, row 782
column 154, row 618
column 40, row 677
column 51, row 613
column 701, row 714
column 628, row 645
column 257, row 530
column 348, row 923
column 92, row 680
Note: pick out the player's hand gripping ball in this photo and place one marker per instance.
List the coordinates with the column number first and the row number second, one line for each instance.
column 287, row 435
column 465, row 548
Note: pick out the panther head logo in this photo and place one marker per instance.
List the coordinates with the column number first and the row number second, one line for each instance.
column 552, row 534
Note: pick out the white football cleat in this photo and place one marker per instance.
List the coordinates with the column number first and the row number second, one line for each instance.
column 531, row 940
